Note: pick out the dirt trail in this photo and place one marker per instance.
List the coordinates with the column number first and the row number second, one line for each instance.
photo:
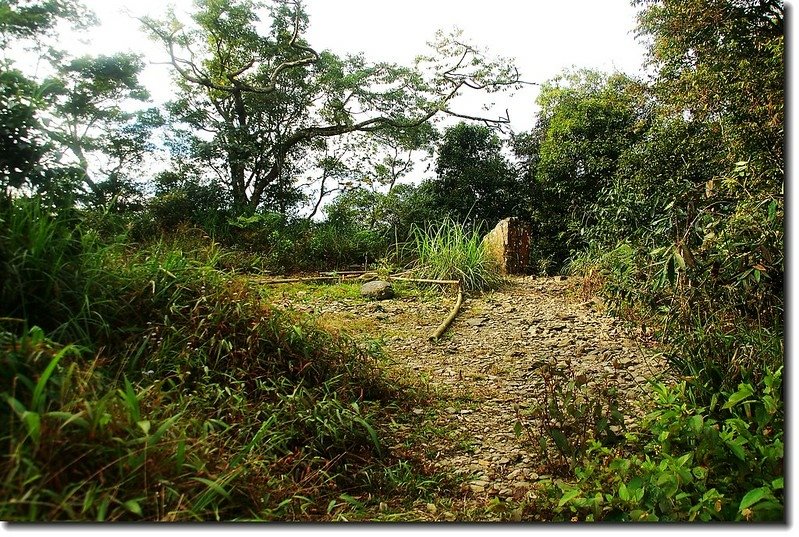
column 488, row 364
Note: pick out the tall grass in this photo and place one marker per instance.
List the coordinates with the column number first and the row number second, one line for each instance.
column 451, row 251
column 194, row 401
column 51, row 272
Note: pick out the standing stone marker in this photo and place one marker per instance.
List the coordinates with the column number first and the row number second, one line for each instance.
column 509, row 244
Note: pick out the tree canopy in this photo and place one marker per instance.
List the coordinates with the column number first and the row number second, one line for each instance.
column 262, row 100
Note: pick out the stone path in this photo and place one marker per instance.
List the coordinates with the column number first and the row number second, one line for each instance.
column 493, row 352
column 488, row 365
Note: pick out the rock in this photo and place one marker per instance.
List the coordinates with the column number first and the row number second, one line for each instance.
column 476, row 321
column 377, row 290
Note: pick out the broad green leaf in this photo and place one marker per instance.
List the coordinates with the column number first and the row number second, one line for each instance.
column 144, row 425
column 624, row 494
column 133, row 506
column 697, row 423
column 560, row 441
column 736, row 448
column 568, row 496
column 744, row 392
column 753, row 496
column 213, row 485
column 32, row 424
column 37, row 400
column 517, row 429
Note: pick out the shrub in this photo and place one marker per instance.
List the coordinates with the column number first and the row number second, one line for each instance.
column 723, row 461
column 206, row 405
column 51, row 272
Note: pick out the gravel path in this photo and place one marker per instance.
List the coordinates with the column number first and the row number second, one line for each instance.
column 488, row 369
column 492, row 355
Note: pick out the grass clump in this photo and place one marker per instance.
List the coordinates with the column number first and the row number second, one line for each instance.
column 450, row 251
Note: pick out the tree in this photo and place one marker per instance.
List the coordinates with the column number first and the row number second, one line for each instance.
column 27, row 162
column 90, row 102
column 72, row 133
column 722, row 61
column 474, row 180
column 263, row 101
column 720, row 79
column 587, row 121
column 375, row 161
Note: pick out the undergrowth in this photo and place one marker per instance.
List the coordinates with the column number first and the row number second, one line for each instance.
column 156, row 387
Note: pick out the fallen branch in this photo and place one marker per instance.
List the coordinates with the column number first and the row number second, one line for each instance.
column 454, row 313
column 423, row 280
column 295, row 280
column 443, row 326
column 344, row 272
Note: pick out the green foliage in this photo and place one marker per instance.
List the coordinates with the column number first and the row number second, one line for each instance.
column 51, row 271
column 569, row 415
column 588, row 120
column 180, row 202
column 90, row 99
column 202, row 403
column 38, row 19
column 474, row 181
column 80, row 114
column 451, row 251
column 698, row 463
column 21, row 150
column 692, row 194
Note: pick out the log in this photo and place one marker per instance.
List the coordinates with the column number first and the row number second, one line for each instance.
column 344, row 272
column 451, row 317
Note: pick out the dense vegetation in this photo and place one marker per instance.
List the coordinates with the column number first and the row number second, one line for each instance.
column 144, row 376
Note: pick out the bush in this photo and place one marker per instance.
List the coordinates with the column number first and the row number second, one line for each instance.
column 723, row 461
column 51, row 272
column 205, row 404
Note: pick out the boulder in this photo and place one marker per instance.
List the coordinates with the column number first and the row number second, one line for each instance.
column 377, row 290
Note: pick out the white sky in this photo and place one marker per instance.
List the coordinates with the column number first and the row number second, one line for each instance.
column 544, row 36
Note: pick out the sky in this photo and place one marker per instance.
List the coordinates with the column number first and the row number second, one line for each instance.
column 544, row 36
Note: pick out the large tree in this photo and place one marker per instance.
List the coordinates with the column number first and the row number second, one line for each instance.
column 722, row 62
column 26, row 154
column 74, row 127
column 91, row 118
column 587, row 121
column 474, row 181
column 719, row 83
column 253, row 101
